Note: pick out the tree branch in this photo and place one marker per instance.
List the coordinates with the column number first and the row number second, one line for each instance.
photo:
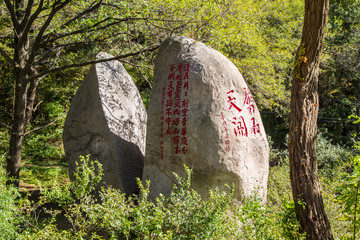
column 52, row 37
column 11, row 115
column 34, row 16
column 134, row 64
column 88, row 29
column 47, row 125
column 47, row 71
column 93, row 27
column 40, row 58
column 5, row 125
column 143, row 76
column 56, row 7
column 27, row 12
column 83, row 13
column 29, row 23
column 10, row 7
column 6, row 56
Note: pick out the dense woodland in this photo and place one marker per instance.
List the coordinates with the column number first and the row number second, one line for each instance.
column 261, row 37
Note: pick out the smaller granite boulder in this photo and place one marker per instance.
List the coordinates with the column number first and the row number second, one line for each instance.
column 107, row 120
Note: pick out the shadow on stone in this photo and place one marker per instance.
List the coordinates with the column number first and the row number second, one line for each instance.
column 107, row 120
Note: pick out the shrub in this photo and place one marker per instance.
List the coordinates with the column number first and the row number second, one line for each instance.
column 349, row 196
column 281, row 206
column 9, row 214
column 330, row 156
column 73, row 211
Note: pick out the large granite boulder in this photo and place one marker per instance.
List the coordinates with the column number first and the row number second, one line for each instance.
column 202, row 114
column 107, row 119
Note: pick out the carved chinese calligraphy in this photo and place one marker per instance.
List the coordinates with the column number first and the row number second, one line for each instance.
column 239, row 124
column 177, row 104
column 226, row 133
column 202, row 114
column 107, row 119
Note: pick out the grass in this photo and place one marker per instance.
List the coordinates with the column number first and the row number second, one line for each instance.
column 34, row 175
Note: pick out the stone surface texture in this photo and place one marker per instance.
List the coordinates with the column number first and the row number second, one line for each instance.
column 107, row 119
column 201, row 113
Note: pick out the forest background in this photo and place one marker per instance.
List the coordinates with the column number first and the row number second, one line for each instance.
column 260, row 37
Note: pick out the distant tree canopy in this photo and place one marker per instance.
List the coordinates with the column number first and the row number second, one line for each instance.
column 259, row 36
column 339, row 85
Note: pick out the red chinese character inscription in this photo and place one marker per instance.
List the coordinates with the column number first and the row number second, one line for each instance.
column 239, row 122
column 174, row 113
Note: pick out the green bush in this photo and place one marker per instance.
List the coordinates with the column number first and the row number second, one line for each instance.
column 79, row 210
column 330, row 157
column 109, row 214
column 349, row 197
column 183, row 215
column 9, row 213
column 280, row 204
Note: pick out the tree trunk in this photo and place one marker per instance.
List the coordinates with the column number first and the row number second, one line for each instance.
column 305, row 183
column 17, row 134
column 31, row 100
column 19, row 123
column 21, row 56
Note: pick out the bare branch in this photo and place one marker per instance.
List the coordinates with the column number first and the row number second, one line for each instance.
column 143, row 76
column 27, row 11
column 134, row 64
column 10, row 7
column 11, row 115
column 147, row 19
column 59, row 36
column 47, row 71
column 94, row 28
column 37, row 105
column 45, row 126
column 5, row 125
column 56, row 7
column 150, row 21
column 56, row 58
column 33, row 17
column 85, row 12
column 6, row 56
column 40, row 58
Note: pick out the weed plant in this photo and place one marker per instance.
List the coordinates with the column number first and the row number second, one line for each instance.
column 9, row 213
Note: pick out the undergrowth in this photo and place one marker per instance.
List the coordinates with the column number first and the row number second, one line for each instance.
column 75, row 210
column 79, row 210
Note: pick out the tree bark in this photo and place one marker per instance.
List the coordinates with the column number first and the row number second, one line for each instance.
column 17, row 134
column 31, row 94
column 305, row 182
column 21, row 56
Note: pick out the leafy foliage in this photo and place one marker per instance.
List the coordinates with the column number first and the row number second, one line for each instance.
column 349, row 195
column 331, row 157
column 339, row 78
column 9, row 214
column 74, row 211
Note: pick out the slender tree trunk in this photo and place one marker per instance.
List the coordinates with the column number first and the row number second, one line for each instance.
column 31, row 100
column 305, row 183
column 21, row 56
column 19, row 123
column 17, row 134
